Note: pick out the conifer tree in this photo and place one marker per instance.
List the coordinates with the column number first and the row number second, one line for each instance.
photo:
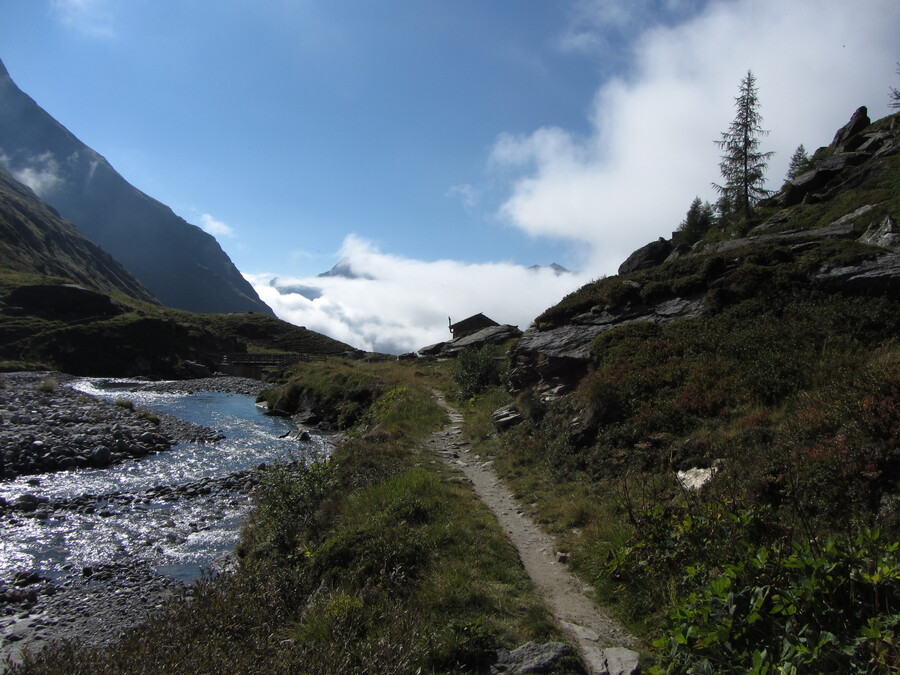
column 799, row 163
column 696, row 223
column 895, row 93
column 743, row 165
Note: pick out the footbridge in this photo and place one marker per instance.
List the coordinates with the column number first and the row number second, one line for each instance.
column 256, row 364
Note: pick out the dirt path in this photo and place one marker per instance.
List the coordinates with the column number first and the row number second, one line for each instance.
column 601, row 640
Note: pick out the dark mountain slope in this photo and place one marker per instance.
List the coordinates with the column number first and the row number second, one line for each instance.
column 34, row 239
column 183, row 266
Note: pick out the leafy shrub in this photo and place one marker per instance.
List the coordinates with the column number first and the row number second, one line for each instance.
column 125, row 403
column 804, row 607
column 474, row 371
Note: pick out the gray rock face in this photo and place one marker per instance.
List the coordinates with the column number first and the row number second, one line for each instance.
column 844, row 228
column 859, row 121
column 879, row 276
column 531, row 658
column 647, row 256
column 885, row 234
column 492, row 335
column 562, row 354
column 574, row 340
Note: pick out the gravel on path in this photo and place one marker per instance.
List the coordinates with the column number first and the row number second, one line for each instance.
column 599, row 638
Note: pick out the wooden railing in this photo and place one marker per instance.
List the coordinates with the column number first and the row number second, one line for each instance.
column 268, row 359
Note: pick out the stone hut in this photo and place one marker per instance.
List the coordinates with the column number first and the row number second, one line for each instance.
column 471, row 325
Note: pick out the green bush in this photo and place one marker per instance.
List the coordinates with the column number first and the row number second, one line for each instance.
column 803, row 607
column 474, row 370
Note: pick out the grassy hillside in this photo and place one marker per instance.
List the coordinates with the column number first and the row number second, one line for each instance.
column 35, row 239
column 144, row 339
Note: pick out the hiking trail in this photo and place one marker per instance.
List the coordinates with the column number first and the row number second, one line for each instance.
column 601, row 641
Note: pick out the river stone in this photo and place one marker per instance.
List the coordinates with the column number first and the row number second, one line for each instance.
column 100, row 456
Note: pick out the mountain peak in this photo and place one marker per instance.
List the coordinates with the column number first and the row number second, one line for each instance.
column 180, row 264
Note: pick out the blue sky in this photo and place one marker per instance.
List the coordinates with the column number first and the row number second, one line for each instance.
column 441, row 147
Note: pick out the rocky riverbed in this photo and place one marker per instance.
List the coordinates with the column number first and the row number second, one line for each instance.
column 46, row 426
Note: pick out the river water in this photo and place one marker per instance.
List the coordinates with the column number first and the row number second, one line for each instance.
column 178, row 535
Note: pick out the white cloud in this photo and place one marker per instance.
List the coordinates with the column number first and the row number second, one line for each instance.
column 40, row 173
column 90, row 17
column 595, row 26
column 467, row 194
column 650, row 149
column 215, row 227
column 397, row 305
column 630, row 179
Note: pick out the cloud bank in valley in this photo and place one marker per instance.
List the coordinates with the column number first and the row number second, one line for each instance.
column 629, row 179
column 385, row 303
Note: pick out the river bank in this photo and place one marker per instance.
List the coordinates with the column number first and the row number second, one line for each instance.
column 49, row 431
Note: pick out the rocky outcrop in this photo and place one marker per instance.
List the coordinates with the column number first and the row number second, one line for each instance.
column 492, row 335
column 885, row 234
column 880, row 276
column 846, row 137
column 647, row 256
column 850, row 160
column 562, row 354
column 507, row 416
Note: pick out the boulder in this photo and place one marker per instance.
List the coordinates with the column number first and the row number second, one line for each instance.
column 844, row 138
column 651, row 255
column 620, row 661
column 100, row 456
column 885, row 234
column 532, row 658
column 194, row 369
column 506, row 417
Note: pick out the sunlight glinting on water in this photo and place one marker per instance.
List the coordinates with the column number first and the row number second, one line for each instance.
column 178, row 536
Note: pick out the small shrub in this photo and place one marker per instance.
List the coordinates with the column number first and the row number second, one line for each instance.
column 149, row 416
column 48, row 385
column 125, row 403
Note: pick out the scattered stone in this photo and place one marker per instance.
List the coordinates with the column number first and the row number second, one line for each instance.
column 620, row 661
column 532, row 658
column 506, row 417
